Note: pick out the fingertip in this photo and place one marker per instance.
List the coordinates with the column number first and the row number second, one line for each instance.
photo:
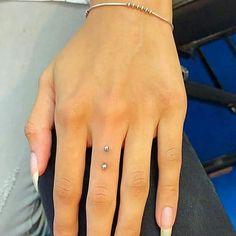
column 165, row 214
column 33, row 163
column 165, row 220
column 166, row 209
column 43, row 165
column 41, row 149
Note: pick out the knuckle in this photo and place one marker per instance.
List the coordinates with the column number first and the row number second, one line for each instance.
column 29, row 129
column 44, row 77
column 64, row 190
column 147, row 108
column 168, row 96
column 181, row 102
column 112, row 109
column 68, row 112
column 173, row 155
column 170, row 189
column 100, row 195
column 63, row 228
column 175, row 100
column 138, row 182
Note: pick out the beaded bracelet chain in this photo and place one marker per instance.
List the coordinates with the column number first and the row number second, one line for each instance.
column 133, row 6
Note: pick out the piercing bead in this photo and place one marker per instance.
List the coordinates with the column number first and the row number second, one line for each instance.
column 104, row 166
column 106, row 148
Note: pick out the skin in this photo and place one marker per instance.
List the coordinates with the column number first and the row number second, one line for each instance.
column 117, row 83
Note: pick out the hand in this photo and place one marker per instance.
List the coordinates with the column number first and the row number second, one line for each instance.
column 116, row 85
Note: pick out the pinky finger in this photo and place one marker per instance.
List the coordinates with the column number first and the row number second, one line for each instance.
column 170, row 133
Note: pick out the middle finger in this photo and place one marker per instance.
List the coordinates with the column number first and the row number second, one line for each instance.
column 104, row 174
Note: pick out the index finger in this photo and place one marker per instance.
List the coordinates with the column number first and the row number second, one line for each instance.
column 69, row 172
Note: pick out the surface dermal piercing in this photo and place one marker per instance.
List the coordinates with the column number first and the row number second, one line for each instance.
column 106, row 148
column 104, row 165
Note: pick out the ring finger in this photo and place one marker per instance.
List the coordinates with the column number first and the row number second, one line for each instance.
column 135, row 178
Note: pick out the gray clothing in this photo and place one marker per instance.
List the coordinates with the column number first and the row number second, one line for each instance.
column 30, row 36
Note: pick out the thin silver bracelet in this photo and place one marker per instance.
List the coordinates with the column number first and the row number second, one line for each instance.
column 131, row 5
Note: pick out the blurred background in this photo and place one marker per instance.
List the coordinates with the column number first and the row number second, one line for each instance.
column 205, row 34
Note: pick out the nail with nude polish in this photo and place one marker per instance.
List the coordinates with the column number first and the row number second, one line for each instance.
column 166, row 221
column 34, row 170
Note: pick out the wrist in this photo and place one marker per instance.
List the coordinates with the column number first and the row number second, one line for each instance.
column 161, row 7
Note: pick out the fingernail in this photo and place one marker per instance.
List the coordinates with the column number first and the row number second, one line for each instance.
column 166, row 221
column 166, row 232
column 34, row 170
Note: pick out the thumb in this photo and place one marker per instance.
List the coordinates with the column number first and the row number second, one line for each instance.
column 39, row 125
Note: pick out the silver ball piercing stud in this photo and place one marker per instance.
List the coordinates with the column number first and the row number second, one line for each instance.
column 106, row 148
column 104, row 166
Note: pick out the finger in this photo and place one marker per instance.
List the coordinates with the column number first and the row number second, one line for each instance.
column 170, row 130
column 40, row 122
column 101, row 199
column 69, row 171
column 135, row 179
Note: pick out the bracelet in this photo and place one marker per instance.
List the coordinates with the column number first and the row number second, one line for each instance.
column 131, row 5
